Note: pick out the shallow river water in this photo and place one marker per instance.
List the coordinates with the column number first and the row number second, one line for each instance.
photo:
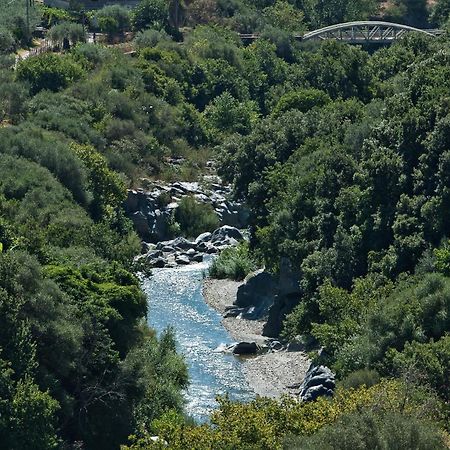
column 175, row 298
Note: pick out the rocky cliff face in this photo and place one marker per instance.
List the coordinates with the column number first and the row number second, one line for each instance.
column 264, row 295
column 151, row 210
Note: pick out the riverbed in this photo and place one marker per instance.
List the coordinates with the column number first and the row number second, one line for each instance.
column 175, row 299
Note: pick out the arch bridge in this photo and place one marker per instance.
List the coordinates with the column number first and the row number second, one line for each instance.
column 362, row 32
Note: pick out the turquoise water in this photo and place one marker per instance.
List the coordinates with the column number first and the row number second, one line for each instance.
column 175, row 298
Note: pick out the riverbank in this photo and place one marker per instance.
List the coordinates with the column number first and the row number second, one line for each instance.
column 268, row 374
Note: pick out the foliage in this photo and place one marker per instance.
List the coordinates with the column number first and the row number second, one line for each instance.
column 341, row 155
column 106, row 186
column 49, row 71
column 194, row 217
column 303, row 100
column 13, row 20
column 234, row 263
column 66, row 33
column 371, row 429
column 113, row 19
column 150, row 14
column 227, row 114
column 264, row 423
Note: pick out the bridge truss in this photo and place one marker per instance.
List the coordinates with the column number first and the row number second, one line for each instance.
column 365, row 32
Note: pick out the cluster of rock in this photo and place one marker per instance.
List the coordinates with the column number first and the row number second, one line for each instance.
column 264, row 296
column 181, row 251
column 152, row 209
column 319, row 381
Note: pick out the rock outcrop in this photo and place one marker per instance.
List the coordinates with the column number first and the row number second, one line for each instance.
column 319, row 381
column 257, row 294
column 151, row 210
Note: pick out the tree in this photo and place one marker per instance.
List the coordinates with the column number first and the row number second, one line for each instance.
column 226, row 114
column 49, row 71
column 113, row 20
column 303, row 100
column 151, row 14
column 67, row 33
column 440, row 12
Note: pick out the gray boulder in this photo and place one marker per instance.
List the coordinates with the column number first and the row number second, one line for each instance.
column 141, row 224
column 319, row 381
column 280, row 308
column 182, row 243
column 245, row 348
column 153, row 254
column 198, row 257
column 159, row 262
column 182, row 259
column 204, row 237
column 225, row 232
column 276, row 345
column 259, row 291
column 233, row 312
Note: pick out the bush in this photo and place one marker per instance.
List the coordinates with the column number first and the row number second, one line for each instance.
column 150, row 38
column 195, row 218
column 234, row 263
column 66, row 33
column 7, row 42
column 363, row 377
column 368, row 430
column 49, row 71
column 303, row 100
column 151, row 14
column 113, row 19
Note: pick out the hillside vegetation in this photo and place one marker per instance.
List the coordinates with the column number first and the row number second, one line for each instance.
column 343, row 157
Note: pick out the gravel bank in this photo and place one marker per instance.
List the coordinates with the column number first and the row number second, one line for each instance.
column 268, row 374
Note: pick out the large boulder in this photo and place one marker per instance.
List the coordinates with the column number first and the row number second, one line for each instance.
column 289, row 277
column 259, row 291
column 160, row 225
column 204, row 237
column 182, row 243
column 319, row 381
column 182, row 259
column 226, row 232
column 233, row 214
column 245, row 348
column 279, row 309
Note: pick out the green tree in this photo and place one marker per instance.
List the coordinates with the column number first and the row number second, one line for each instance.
column 113, row 20
column 65, row 34
column 49, row 71
column 226, row 114
column 151, row 14
column 107, row 188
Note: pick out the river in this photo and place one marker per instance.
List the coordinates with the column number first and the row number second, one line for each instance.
column 175, row 298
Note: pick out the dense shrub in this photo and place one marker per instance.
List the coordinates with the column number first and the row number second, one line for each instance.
column 367, row 430
column 270, row 421
column 194, row 217
column 65, row 34
column 150, row 14
column 49, row 71
column 234, row 263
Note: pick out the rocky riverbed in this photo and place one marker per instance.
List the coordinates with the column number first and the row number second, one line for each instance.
column 275, row 371
column 181, row 251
